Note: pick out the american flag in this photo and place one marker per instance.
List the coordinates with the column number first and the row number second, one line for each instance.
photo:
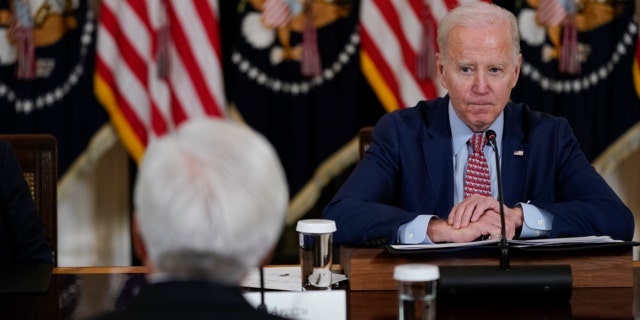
column 142, row 101
column 391, row 32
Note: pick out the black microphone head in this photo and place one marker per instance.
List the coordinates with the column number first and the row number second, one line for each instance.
column 490, row 134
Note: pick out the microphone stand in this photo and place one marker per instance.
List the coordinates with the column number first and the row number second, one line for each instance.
column 518, row 284
column 504, row 246
column 262, row 306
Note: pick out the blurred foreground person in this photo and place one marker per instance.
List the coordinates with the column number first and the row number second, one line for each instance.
column 210, row 201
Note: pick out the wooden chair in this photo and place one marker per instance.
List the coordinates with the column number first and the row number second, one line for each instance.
column 364, row 138
column 38, row 156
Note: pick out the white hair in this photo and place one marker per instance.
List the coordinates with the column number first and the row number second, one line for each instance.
column 477, row 15
column 210, row 200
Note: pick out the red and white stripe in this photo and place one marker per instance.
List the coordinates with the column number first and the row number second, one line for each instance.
column 276, row 13
column 142, row 104
column 391, row 31
column 551, row 12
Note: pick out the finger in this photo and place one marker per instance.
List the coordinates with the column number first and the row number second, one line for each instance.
column 483, row 228
column 477, row 202
column 492, row 218
column 452, row 214
column 483, row 205
column 456, row 215
column 466, row 215
column 464, row 211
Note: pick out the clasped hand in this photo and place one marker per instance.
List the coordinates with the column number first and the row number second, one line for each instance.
column 475, row 217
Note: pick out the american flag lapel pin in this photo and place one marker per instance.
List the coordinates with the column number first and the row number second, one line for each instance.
column 518, row 153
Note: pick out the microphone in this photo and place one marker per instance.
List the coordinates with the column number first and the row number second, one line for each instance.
column 525, row 283
column 262, row 306
column 504, row 246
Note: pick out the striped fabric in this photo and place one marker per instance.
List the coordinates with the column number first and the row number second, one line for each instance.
column 391, row 32
column 142, row 104
column 551, row 12
column 569, row 60
column 21, row 32
column 276, row 13
column 310, row 64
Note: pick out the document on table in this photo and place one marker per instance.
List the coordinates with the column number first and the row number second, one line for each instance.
column 562, row 241
column 281, row 278
column 307, row 305
column 513, row 243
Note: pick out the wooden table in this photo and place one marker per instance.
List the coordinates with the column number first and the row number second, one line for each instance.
column 79, row 293
column 604, row 265
column 585, row 303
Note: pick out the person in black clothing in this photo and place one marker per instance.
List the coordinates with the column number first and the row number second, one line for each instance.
column 22, row 237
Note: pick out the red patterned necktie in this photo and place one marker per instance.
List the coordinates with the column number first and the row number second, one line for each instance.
column 477, row 179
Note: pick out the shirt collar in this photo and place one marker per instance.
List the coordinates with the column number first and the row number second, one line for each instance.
column 461, row 133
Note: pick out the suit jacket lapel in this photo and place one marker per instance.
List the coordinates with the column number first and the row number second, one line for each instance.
column 515, row 152
column 438, row 155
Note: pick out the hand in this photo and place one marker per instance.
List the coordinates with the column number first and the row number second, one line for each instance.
column 513, row 219
column 440, row 231
column 472, row 209
column 487, row 222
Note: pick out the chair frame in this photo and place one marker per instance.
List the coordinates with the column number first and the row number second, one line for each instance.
column 38, row 157
column 364, row 138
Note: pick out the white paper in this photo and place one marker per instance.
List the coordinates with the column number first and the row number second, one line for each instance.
column 309, row 305
column 281, row 278
column 515, row 243
column 562, row 241
column 442, row 245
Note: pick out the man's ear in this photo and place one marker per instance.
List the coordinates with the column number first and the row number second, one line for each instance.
column 138, row 244
column 440, row 70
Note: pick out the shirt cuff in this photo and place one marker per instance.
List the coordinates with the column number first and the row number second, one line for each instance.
column 415, row 231
column 537, row 222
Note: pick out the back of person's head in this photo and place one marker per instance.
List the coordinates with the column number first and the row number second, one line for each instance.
column 478, row 14
column 210, row 200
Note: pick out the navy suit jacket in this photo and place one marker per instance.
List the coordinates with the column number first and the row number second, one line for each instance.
column 408, row 171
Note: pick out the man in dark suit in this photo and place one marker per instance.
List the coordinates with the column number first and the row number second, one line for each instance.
column 210, row 201
column 410, row 187
column 22, row 239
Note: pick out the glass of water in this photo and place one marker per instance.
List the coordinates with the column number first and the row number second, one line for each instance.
column 316, row 239
column 417, row 283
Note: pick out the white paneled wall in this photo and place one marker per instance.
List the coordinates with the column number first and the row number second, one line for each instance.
column 94, row 206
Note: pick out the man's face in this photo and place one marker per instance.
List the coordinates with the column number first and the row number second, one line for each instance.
column 479, row 72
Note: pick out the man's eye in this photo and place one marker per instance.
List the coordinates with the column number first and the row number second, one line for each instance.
column 465, row 69
column 495, row 70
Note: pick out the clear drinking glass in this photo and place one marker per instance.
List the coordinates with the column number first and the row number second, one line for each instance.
column 417, row 285
column 316, row 238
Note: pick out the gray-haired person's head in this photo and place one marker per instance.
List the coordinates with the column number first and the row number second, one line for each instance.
column 210, row 200
column 477, row 15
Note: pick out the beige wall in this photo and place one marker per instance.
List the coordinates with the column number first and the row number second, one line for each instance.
column 619, row 165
